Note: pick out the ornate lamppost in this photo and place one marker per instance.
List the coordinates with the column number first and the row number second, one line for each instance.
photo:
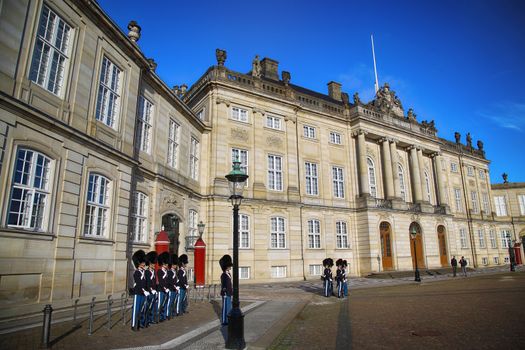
column 512, row 256
column 413, row 234
column 237, row 179
column 200, row 228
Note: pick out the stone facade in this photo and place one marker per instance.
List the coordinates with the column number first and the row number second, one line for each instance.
column 98, row 155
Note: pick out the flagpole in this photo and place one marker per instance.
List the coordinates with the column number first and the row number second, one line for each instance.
column 375, row 68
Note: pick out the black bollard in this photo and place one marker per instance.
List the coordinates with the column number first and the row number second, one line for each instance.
column 75, row 313
column 91, row 309
column 110, row 302
column 46, row 326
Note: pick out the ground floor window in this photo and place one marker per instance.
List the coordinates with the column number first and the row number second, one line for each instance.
column 484, row 261
column 316, row 270
column 496, row 260
column 278, row 271
column 244, row 272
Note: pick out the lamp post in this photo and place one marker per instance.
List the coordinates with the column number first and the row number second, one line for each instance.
column 413, row 234
column 200, row 228
column 511, row 254
column 236, row 180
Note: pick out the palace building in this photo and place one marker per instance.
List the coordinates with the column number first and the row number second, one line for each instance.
column 98, row 154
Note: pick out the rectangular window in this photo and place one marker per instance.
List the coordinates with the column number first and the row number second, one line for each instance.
column 453, row 167
column 193, row 235
column 314, row 234
column 316, row 270
column 108, row 100
column 463, row 238
column 505, row 239
column 341, row 235
column 50, row 56
column 144, row 124
column 335, row 137
column 309, row 131
column 470, row 170
column 97, row 206
column 244, row 272
column 484, row 261
column 481, row 237
column 173, row 143
column 485, row 202
column 501, row 206
column 194, row 159
column 200, row 114
column 457, row 197
column 492, row 235
column 311, row 179
column 338, row 182
column 30, row 191
column 277, row 233
column 139, row 216
column 278, row 271
column 273, row 122
column 241, row 155
column 496, row 260
column 506, row 260
column 481, row 174
column 244, row 231
column 275, row 173
column 474, row 200
column 240, row 114
column 521, row 202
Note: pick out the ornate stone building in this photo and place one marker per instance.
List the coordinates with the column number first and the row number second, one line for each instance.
column 98, row 155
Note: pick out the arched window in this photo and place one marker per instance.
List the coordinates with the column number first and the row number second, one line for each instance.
column 97, row 206
column 30, row 191
column 139, row 217
column 427, row 186
column 371, row 177
column 402, row 187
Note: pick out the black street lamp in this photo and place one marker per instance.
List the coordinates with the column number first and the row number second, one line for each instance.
column 413, row 234
column 237, row 179
column 512, row 256
column 200, row 228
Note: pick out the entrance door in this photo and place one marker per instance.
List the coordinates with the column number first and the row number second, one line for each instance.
column 171, row 226
column 442, row 246
column 419, row 247
column 386, row 247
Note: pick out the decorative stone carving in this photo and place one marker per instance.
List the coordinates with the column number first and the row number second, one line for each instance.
column 505, row 178
column 472, row 183
column 258, row 110
column 411, row 115
column 292, row 118
column 469, row 140
column 386, row 101
column 429, row 125
column 345, row 98
column 152, row 64
column 357, row 100
column 183, row 89
column 171, row 200
column 134, row 31
column 256, row 67
column 274, row 141
column 286, row 77
column 220, row 55
column 457, row 136
column 220, row 100
column 480, row 145
column 239, row 134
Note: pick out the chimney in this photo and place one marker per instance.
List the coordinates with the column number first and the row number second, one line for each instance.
column 270, row 68
column 334, row 90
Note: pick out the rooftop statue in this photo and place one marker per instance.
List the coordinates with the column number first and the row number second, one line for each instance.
column 220, row 55
column 480, row 145
column 256, row 67
column 457, row 136
column 357, row 100
column 387, row 101
column 469, row 140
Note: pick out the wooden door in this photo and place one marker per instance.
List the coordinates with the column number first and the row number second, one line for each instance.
column 442, row 246
column 386, row 245
column 419, row 250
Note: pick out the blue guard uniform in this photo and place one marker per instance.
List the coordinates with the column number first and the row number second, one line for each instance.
column 172, row 280
column 226, row 287
column 339, row 278
column 327, row 277
column 182, row 283
column 163, row 286
column 150, row 309
column 139, row 289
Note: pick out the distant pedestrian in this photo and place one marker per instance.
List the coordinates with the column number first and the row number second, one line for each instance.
column 327, row 277
column 454, row 264
column 345, row 281
column 463, row 264
column 226, row 287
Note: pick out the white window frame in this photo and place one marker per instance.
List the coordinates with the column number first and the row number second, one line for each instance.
column 277, row 232
column 463, row 238
column 496, row 260
column 341, row 233
column 402, row 186
column 201, row 113
column 372, row 184
column 521, row 203
column 145, row 124
column 173, row 143
column 108, row 97
column 493, row 240
column 194, row 158
column 51, row 52
column 309, row 131
column 278, row 271
column 338, row 182
column 481, row 173
column 193, row 232
column 30, row 190
column 457, row 197
column 274, row 122
column 485, row 202
column 335, row 138
column 474, row 202
column 505, row 238
column 97, row 213
column 470, row 170
column 244, row 272
column 314, row 234
column 315, row 269
column 506, row 260
column 311, row 178
column 275, row 172
column 244, row 231
column 453, row 167
column 239, row 114
column 485, row 261
column 500, row 205
column 139, row 215
column 481, row 237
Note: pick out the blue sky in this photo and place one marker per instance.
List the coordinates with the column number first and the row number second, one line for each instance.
column 461, row 63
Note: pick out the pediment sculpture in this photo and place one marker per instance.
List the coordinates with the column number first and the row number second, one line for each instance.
column 386, row 101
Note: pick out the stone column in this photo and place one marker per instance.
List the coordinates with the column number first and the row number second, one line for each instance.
column 421, row 163
column 395, row 160
column 364, row 190
column 388, row 180
column 438, row 173
column 415, row 176
column 258, row 171
column 291, row 160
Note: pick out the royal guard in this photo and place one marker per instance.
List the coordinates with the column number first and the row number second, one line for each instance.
column 226, row 287
column 172, row 280
column 345, row 280
column 182, row 283
column 339, row 278
column 163, row 287
column 150, row 309
column 327, row 277
column 139, row 289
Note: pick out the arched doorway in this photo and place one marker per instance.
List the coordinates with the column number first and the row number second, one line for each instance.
column 386, row 246
column 419, row 246
column 442, row 246
column 170, row 222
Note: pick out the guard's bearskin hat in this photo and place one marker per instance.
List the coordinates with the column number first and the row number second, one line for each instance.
column 339, row 262
column 326, row 262
column 138, row 258
column 345, row 263
column 225, row 262
column 164, row 258
column 330, row 262
column 174, row 259
column 183, row 259
column 151, row 258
